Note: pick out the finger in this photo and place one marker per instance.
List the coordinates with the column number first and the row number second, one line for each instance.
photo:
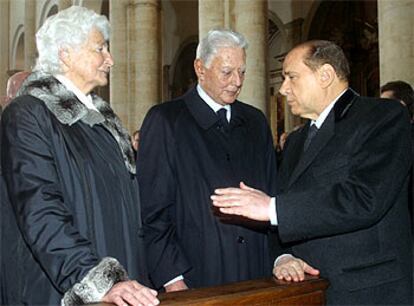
column 285, row 274
column 136, row 299
column 118, row 301
column 150, row 296
column 243, row 186
column 293, row 273
column 222, row 199
column 231, row 211
column 150, row 293
column 230, row 190
column 281, row 274
column 310, row 270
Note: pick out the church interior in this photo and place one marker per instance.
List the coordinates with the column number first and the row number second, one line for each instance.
column 153, row 44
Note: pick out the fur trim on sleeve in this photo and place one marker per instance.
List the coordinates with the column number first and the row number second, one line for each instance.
column 93, row 287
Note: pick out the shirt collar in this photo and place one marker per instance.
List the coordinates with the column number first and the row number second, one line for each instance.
column 85, row 99
column 213, row 104
column 321, row 119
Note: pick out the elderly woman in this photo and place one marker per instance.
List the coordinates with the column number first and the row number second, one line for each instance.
column 73, row 231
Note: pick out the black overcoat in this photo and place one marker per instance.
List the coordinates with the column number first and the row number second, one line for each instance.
column 184, row 155
column 69, row 172
column 343, row 204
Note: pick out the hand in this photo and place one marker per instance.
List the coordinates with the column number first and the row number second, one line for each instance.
column 290, row 268
column 244, row 201
column 176, row 286
column 131, row 293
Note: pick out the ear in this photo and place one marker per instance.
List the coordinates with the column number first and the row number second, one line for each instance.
column 65, row 58
column 199, row 69
column 327, row 75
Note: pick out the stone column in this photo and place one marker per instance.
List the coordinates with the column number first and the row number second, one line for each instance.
column 251, row 20
column 63, row 4
column 396, row 40
column 30, row 52
column 147, row 58
column 119, row 82
column 210, row 15
column 4, row 46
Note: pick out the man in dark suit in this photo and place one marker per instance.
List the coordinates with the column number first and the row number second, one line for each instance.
column 341, row 204
column 188, row 147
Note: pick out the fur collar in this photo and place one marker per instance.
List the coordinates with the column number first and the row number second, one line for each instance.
column 68, row 110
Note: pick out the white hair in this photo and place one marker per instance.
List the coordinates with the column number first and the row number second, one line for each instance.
column 68, row 28
column 218, row 39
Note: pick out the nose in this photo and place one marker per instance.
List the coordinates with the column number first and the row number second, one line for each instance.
column 238, row 78
column 284, row 89
column 108, row 59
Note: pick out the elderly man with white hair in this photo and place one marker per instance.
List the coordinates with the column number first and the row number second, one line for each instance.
column 188, row 147
column 72, row 232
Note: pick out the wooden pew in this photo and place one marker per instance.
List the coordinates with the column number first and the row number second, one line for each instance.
column 260, row 292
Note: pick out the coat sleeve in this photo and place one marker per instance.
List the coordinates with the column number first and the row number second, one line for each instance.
column 157, row 177
column 35, row 191
column 378, row 170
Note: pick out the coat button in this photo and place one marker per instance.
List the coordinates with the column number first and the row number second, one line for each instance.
column 240, row 239
column 227, row 156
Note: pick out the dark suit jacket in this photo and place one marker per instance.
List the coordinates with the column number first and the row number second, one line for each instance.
column 342, row 205
column 184, row 155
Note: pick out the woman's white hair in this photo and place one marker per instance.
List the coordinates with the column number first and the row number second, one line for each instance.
column 68, row 28
column 217, row 39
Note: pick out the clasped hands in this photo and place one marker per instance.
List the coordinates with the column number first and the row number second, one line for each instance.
column 254, row 204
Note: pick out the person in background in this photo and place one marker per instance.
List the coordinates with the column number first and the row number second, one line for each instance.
column 189, row 147
column 72, row 229
column 342, row 203
column 135, row 140
column 404, row 93
column 13, row 85
column 401, row 91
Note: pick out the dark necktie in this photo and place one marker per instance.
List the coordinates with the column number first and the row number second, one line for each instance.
column 311, row 133
column 222, row 114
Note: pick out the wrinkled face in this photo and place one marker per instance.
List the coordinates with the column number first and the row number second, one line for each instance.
column 301, row 86
column 223, row 79
column 89, row 65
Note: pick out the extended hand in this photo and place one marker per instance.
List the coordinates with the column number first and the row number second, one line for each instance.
column 176, row 286
column 131, row 293
column 244, row 201
column 290, row 268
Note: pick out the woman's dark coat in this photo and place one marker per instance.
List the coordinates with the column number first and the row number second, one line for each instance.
column 70, row 175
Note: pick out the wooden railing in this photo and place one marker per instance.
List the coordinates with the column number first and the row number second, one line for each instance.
column 260, row 292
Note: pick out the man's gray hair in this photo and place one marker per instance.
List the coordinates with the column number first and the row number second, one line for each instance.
column 218, row 39
column 68, row 28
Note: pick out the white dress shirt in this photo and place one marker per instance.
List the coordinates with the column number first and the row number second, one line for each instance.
column 213, row 104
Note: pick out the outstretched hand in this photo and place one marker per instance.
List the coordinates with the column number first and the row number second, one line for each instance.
column 290, row 268
column 244, row 201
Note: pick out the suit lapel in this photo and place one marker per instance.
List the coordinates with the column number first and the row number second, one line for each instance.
column 320, row 140
column 325, row 133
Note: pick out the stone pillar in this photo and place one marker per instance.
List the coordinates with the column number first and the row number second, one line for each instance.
column 396, row 40
column 294, row 36
column 119, row 81
column 251, row 20
column 63, row 4
column 30, row 52
column 210, row 15
column 147, row 58
column 4, row 45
